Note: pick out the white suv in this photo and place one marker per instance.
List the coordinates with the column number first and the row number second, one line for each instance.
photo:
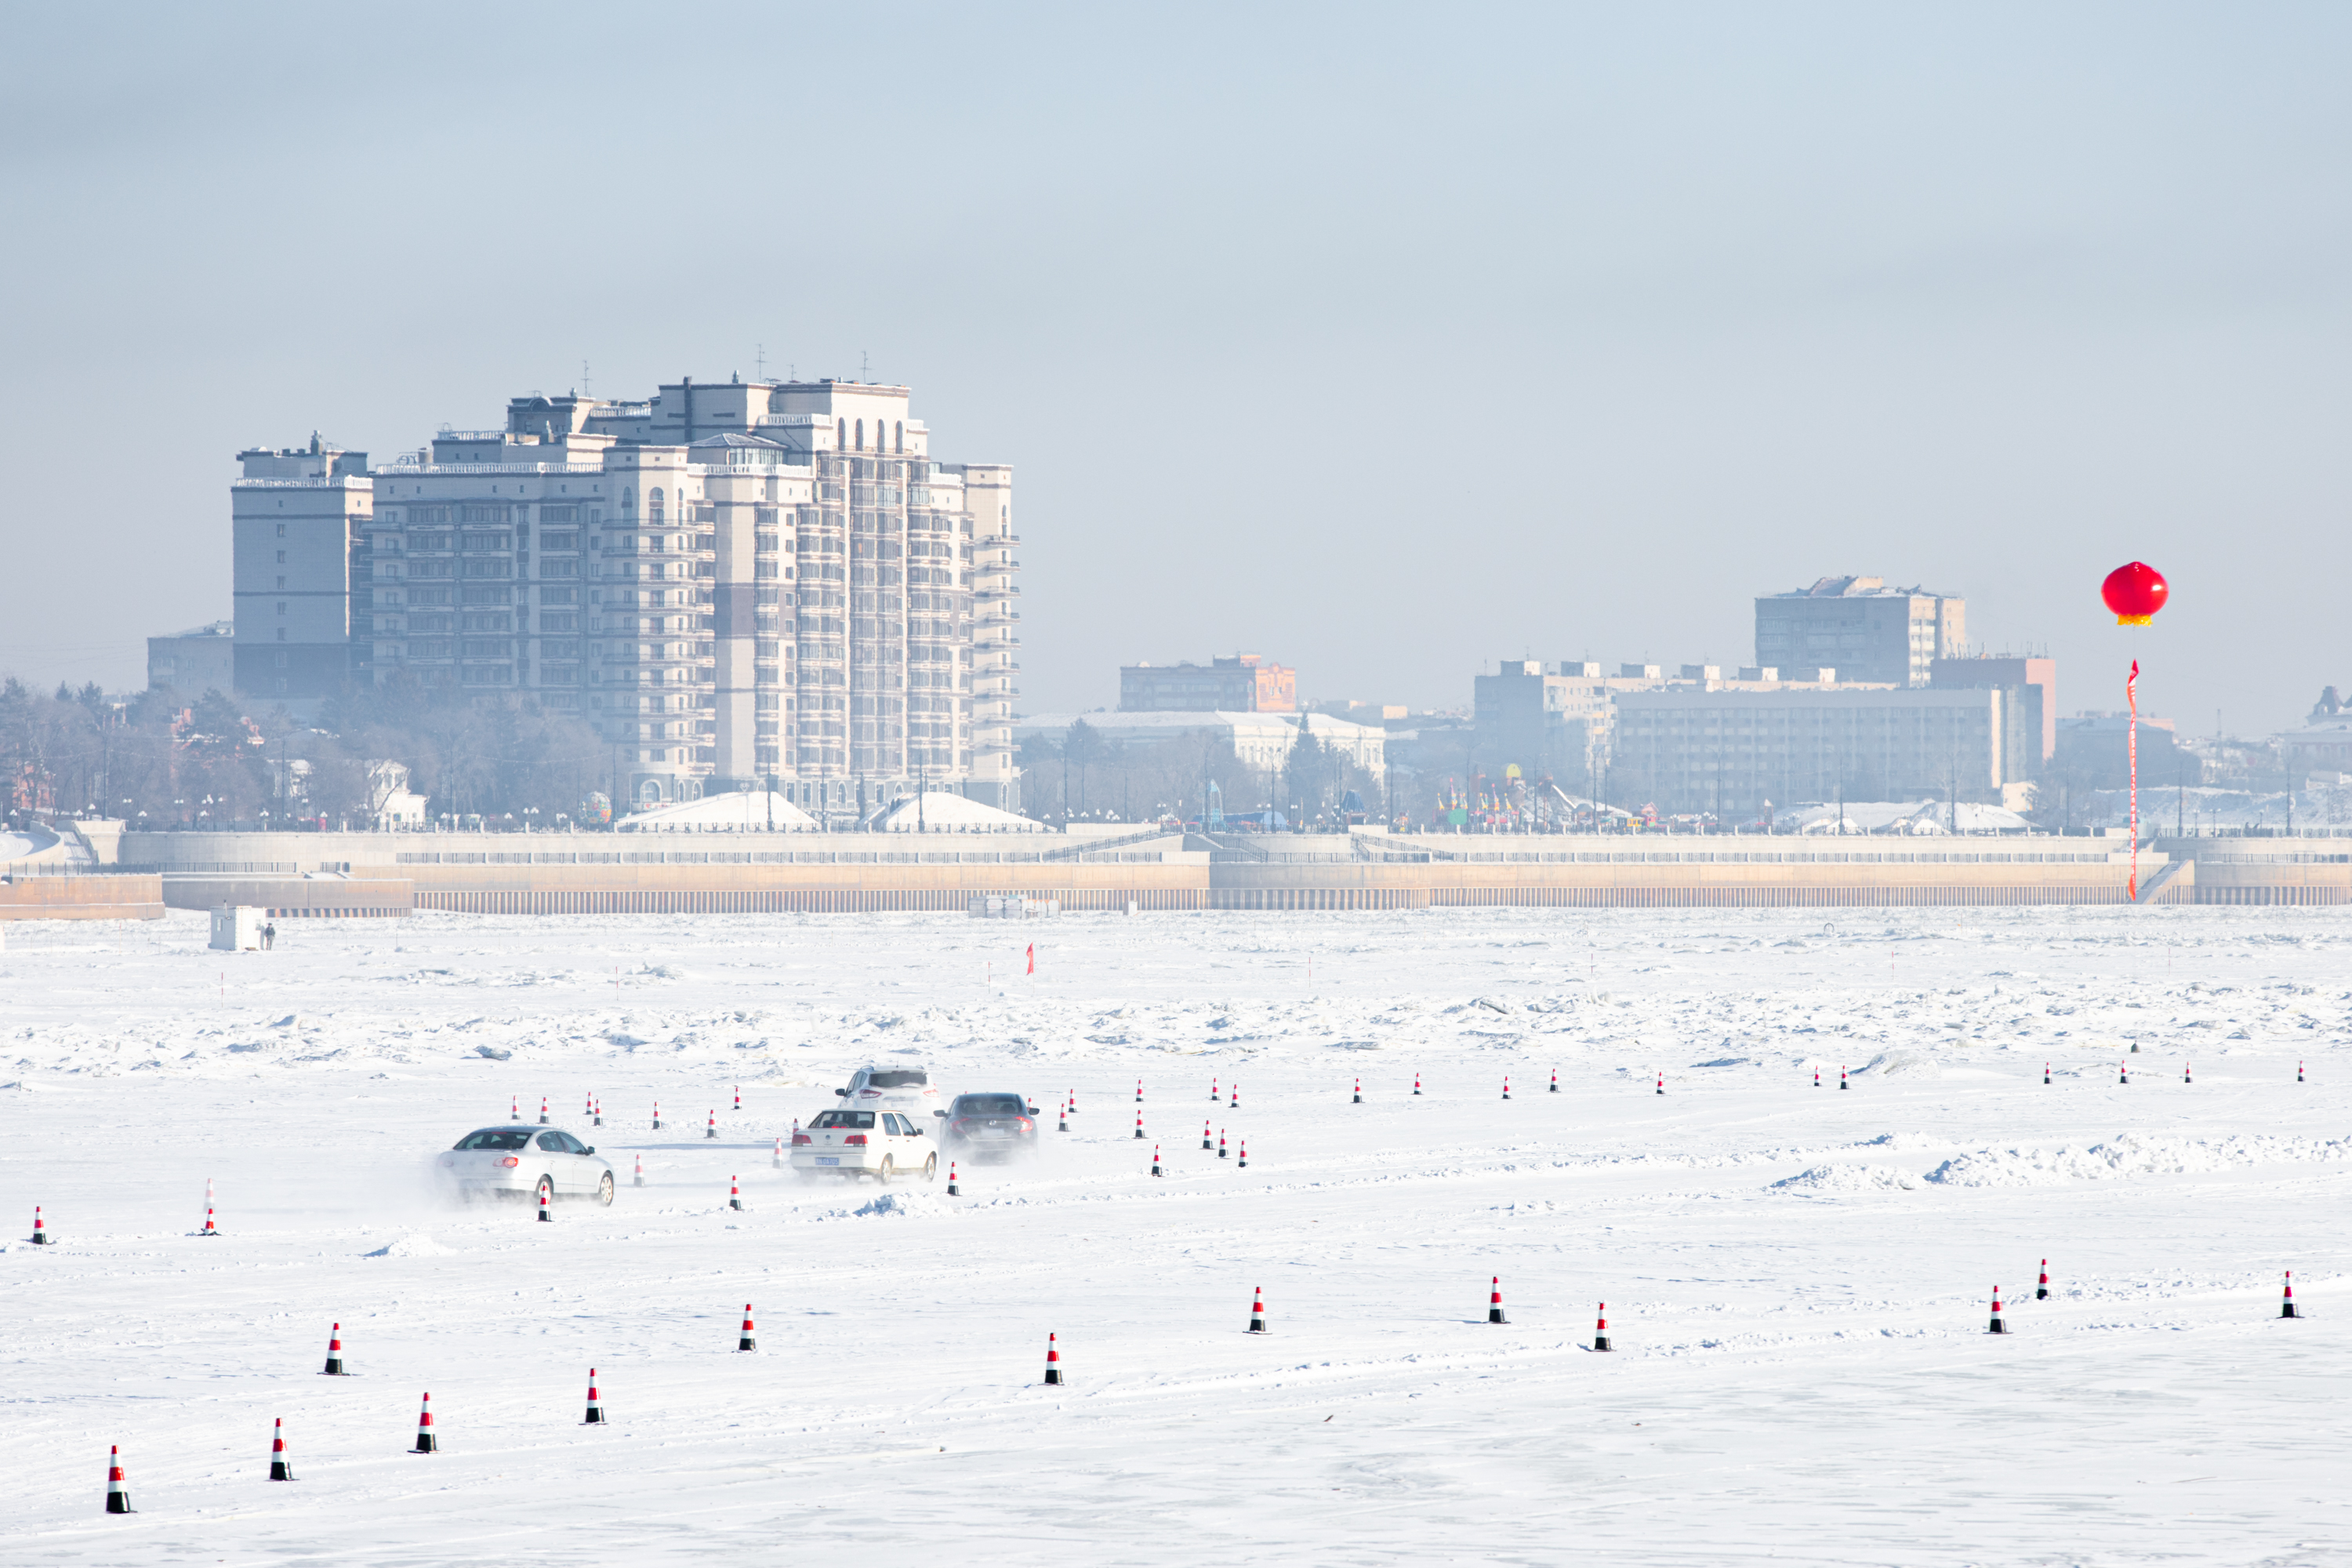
column 879, row 1143
column 900, row 1089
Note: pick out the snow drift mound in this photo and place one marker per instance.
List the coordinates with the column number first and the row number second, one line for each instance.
column 413, row 1247
column 1846, row 1179
column 900, row 1205
column 2130, row 1154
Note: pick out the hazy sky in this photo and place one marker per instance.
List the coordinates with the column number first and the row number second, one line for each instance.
column 1382, row 341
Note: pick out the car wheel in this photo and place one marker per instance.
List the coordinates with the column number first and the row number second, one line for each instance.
column 931, row 1169
column 545, row 1192
column 604, row 1189
column 889, row 1169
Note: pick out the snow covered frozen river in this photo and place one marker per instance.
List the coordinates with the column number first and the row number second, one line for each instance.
column 1798, row 1280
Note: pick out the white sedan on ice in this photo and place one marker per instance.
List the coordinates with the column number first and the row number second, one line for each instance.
column 878, row 1143
column 524, row 1161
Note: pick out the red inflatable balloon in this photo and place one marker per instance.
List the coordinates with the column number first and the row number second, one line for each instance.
column 2135, row 592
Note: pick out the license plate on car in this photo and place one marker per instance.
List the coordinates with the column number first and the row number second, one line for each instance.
column 828, row 1160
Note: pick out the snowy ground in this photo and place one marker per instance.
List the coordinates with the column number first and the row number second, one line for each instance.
column 1798, row 1280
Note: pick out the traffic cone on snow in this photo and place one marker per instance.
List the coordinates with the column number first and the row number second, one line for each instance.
column 2123, row 1075
column 1063, row 1123
column 1257, row 1310
column 1662, row 1083
column 747, row 1343
column 656, row 1115
column 1840, row 1077
column 543, row 1110
column 1221, row 1144
column 1243, row 1163
column 1139, row 1124
column 514, row 1108
column 712, row 1130
column 1495, row 1303
column 1072, row 1109
column 1555, row 1081
column 334, row 1367
column 117, row 1496
column 1998, row 1326
column 1155, row 1160
column 953, row 1191
column 1052, row 1361
column 210, row 1228
column 428, row 1440
column 640, row 1179
column 2184, row 1074
column 279, row 1470
column 1233, row 1097
column 1600, row 1330
column 546, row 1216
column 1817, row 1078
column 588, row 1108
column 2042, row 1289
column 2286, row 1308
column 1212, row 1088
column 734, row 1195
column 1359, row 1093
column 595, row 1417
column 597, row 1111
column 1138, row 1092
column 1416, row 1081
column 739, row 1099
column 2045, row 1072
column 41, row 1232
column 1506, row 1086
column 2298, row 1072
column 778, row 1163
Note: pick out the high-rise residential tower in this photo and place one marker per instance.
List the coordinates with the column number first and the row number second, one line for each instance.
column 739, row 584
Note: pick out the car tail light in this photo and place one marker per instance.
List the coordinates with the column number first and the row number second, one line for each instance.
column 801, row 1138
column 510, row 1162
column 1027, row 1124
column 858, row 1138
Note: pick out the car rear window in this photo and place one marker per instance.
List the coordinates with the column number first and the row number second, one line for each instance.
column 494, row 1137
column 898, row 1077
column 851, row 1119
column 990, row 1105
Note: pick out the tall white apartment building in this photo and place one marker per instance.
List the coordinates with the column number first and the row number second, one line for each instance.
column 743, row 584
column 298, row 543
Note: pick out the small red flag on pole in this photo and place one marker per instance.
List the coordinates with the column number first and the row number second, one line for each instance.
column 1033, row 958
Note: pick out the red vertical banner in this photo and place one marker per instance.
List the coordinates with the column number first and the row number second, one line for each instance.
column 1033, row 952
column 2131, row 744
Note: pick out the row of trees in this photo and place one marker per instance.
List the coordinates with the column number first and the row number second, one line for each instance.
column 172, row 759
column 1083, row 775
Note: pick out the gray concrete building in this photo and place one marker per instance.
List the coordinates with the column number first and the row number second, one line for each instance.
column 1691, row 750
column 299, row 544
column 1861, row 628
column 200, row 659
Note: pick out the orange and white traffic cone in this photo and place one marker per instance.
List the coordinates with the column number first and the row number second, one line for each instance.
column 1052, row 1361
column 1662, row 1083
column 778, row 1163
column 2123, row 1075
column 1138, row 1092
column 543, row 1110
column 2286, row 1308
column 428, row 1440
column 595, row 1417
column 1359, row 1093
column 739, row 1099
column 1416, row 1081
column 118, row 1495
column 656, row 1115
column 1155, row 1159
column 1243, row 1163
column 1221, row 1144
column 279, row 1470
column 2185, row 1077
column 514, row 1108
column 1842, row 1083
column 1600, row 1330
column 1206, row 1141
column 1072, row 1107
column 1506, row 1086
column 335, row 1353
column 712, row 1130
column 1495, row 1303
column 546, row 1216
column 1139, row 1124
column 588, row 1108
column 747, row 1343
column 1257, row 1310
column 1997, row 1326
column 597, row 1111
column 210, row 1228
column 953, row 1191
column 41, row 1232
column 734, row 1195
column 1212, row 1090
column 2042, row 1289
column 2045, row 1072
column 1233, row 1097
column 639, row 1180
column 1817, row 1078
column 1555, row 1081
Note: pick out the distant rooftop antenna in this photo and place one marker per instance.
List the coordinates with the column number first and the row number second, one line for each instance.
column 760, row 363
column 863, row 375
column 583, row 378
